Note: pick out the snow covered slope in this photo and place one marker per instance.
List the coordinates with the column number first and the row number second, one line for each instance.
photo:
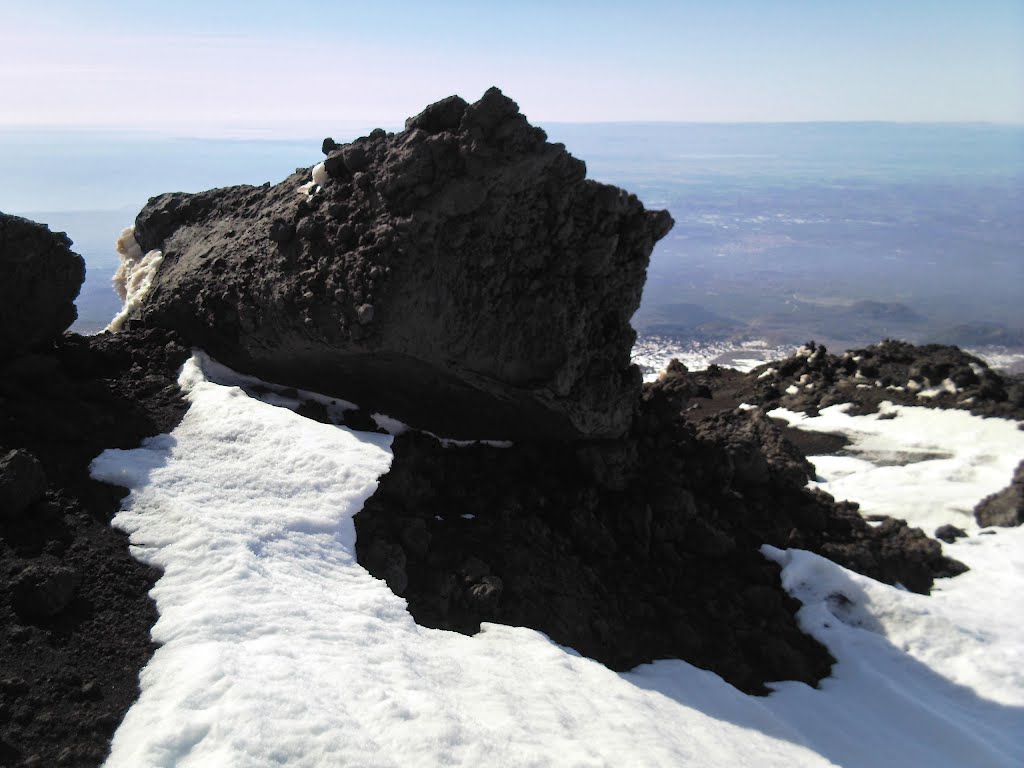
column 279, row 649
column 924, row 465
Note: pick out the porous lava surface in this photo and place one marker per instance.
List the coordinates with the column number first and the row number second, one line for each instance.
column 931, row 375
column 1006, row 507
column 462, row 275
column 75, row 614
column 629, row 550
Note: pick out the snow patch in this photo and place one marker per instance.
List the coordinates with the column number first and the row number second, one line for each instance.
column 653, row 353
column 390, row 425
column 320, row 177
column 947, row 387
column 920, row 680
column 277, row 648
column 924, row 465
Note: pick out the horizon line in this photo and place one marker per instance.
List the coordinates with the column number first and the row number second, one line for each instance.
column 266, row 132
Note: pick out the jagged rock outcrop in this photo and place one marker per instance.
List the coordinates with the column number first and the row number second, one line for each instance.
column 75, row 612
column 629, row 550
column 933, row 375
column 461, row 275
column 1005, row 508
column 41, row 278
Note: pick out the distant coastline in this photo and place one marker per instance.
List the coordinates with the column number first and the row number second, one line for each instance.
column 848, row 232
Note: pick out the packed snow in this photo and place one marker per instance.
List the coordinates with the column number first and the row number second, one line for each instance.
column 653, row 353
column 899, row 458
column 277, row 648
column 320, row 177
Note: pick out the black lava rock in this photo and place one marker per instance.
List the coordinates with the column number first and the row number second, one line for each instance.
column 949, row 533
column 1005, row 508
column 629, row 550
column 462, row 275
column 41, row 592
column 40, row 276
column 22, row 482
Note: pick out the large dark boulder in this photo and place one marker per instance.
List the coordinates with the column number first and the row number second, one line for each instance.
column 629, row 550
column 462, row 275
column 40, row 277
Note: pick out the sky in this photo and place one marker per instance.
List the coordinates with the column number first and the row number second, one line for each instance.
column 265, row 67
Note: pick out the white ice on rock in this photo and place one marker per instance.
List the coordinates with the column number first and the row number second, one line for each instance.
column 320, row 177
column 134, row 277
column 277, row 648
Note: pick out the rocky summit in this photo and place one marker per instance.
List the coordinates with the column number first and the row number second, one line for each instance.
column 462, row 275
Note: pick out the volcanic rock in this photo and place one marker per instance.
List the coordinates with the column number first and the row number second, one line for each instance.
column 75, row 611
column 949, row 533
column 22, row 482
column 41, row 278
column 40, row 592
column 932, row 375
column 461, row 275
column 633, row 549
column 1005, row 508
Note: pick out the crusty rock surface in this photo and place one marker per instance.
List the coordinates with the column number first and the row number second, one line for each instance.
column 461, row 275
column 629, row 550
column 1006, row 507
column 933, row 375
column 41, row 277
column 75, row 611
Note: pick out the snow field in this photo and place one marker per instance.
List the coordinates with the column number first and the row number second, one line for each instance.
column 924, row 465
column 279, row 649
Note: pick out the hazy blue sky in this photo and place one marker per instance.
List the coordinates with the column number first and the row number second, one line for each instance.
column 300, row 66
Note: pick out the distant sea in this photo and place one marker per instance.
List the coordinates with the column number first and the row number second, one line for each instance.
column 842, row 232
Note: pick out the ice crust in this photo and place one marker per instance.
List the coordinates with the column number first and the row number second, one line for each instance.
column 134, row 277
